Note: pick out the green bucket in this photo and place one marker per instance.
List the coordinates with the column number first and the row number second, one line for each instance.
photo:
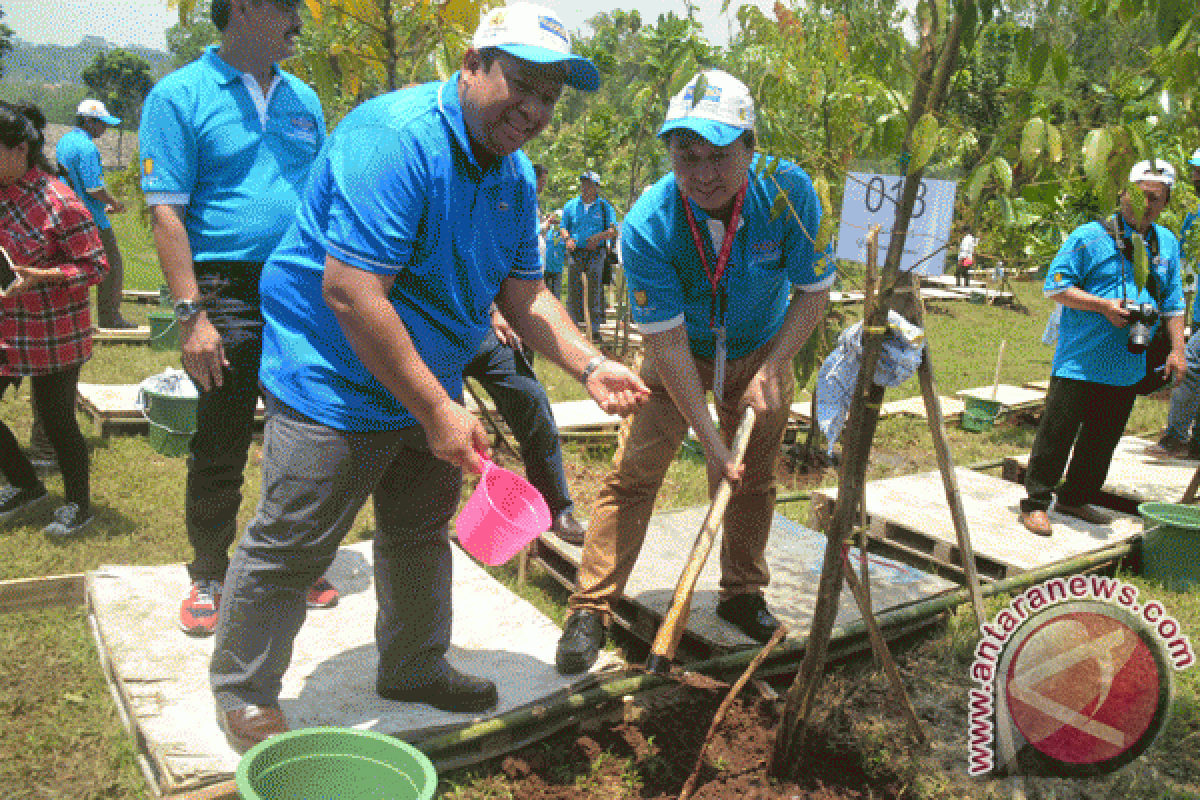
column 329, row 763
column 164, row 297
column 1171, row 544
column 172, row 422
column 164, row 333
column 979, row 414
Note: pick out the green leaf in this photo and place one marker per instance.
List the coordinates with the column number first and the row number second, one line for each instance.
column 1128, row 10
column 979, row 179
column 827, row 226
column 1003, row 172
column 1062, row 67
column 1037, row 61
column 1097, row 146
column 779, row 206
column 1006, row 210
column 1137, row 203
column 699, row 90
column 1024, row 44
column 1141, row 262
column 1171, row 18
column 924, row 142
column 970, row 25
column 1181, row 36
column 1033, row 140
column 1054, row 143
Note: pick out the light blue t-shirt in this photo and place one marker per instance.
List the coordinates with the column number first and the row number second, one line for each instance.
column 585, row 224
column 1090, row 348
column 667, row 282
column 397, row 192
column 205, row 145
column 1185, row 231
column 78, row 155
column 556, row 251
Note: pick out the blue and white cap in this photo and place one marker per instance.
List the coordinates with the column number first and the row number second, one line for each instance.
column 1195, row 159
column 536, row 34
column 592, row 176
column 94, row 109
column 1159, row 172
column 724, row 113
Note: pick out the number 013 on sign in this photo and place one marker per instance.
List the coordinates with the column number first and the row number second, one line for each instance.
column 872, row 199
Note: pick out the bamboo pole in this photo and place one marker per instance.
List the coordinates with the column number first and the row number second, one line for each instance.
column 999, row 361
column 1189, row 496
column 487, row 415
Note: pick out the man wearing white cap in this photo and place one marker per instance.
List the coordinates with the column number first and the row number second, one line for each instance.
column 588, row 224
column 420, row 213
column 1092, row 387
column 1182, row 439
column 77, row 154
column 724, row 294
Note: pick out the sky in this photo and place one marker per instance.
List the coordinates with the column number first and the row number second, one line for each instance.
column 144, row 22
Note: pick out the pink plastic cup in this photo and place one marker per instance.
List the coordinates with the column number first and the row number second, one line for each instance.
column 501, row 516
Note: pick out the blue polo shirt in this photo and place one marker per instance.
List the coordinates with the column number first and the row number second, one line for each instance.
column 556, row 251
column 1187, row 244
column 584, row 224
column 239, row 172
column 1090, row 348
column 396, row 192
column 667, row 282
column 78, row 155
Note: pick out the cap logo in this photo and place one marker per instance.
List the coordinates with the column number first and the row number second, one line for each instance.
column 148, row 165
column 554, row 27
column 640, row 298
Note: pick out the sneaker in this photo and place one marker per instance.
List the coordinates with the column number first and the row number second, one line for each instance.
column 14, row 502
column 70, row 520
column 322, row 594
column 198, row 615
column 580, row 644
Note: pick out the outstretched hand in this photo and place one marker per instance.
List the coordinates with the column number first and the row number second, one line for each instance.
column 616, row 389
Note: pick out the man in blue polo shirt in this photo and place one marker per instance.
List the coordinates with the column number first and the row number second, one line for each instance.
column 76, row 153
column 588, row 224
column 226, row 145
column 1092, row 386
column 724, row 294
column 420, row 214
column 1182, row 439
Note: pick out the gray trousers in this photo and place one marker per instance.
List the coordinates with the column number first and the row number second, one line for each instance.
column 590, row 262
column 315, row 481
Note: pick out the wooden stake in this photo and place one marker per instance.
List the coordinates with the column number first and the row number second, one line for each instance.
column 587, row 305
column 509, row 446
column 999, row 361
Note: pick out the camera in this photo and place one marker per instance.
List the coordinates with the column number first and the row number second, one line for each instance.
column 1142, row 318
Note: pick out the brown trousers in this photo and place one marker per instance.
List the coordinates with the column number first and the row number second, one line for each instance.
column 108, row 292
column 655, row 431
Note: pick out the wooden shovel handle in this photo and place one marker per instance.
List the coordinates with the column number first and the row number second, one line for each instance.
column 225, row 790
column 673, row 624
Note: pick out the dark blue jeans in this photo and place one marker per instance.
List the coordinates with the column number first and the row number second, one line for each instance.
column 224, row 416
column 523, row 403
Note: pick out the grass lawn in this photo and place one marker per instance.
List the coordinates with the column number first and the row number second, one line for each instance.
column 61, row 737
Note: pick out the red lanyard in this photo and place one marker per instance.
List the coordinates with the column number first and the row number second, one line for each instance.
column 714, row 278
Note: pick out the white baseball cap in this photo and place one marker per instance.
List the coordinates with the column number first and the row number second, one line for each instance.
column 724, row 113
column 1160, row 172
column 592, row 176
column 533, row 33
column 94, row 109
column 1195, row 159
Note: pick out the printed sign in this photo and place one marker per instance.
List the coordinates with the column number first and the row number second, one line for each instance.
column 871, row 200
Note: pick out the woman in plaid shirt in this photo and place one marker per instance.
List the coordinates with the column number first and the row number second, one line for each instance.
column 45, row 325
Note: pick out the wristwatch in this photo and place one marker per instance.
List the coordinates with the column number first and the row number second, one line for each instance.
column 186, row 309
column 591, row 367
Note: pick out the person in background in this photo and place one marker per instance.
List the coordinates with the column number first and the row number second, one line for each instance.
column 966, row 259
column 1091, row 390
column 77, row 154
column 588, row 222
column 226, row 145
column 725, row 294
column 374, row 302
column 1182, row 439
column 556, row 253
column 45, row 322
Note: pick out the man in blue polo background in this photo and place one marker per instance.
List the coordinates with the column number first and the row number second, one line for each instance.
column 420, row 214
column 724, row 294
column 226, row 145
column 77, row 154
column 1091, row 389
column 588, row 224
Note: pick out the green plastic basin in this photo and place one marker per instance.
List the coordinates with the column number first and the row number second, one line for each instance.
column 335, row 764
column 1171, row 544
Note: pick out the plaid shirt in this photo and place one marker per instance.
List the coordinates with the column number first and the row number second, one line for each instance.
column 49, row 327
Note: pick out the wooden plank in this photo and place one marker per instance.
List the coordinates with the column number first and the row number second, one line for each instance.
column 916, row 515
column 952, row 407
column 944, row 294
column 112, row 407
column 794, row 554
column 1011, row 398
column 26, row 594
column 138, row 335
column 140, row 296
column 161, row 674
column 1044, row 385
column 845, row 298
column 1134, row 475
column 945, row 282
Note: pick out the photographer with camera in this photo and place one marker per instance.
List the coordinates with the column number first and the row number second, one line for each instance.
column 1107, row 323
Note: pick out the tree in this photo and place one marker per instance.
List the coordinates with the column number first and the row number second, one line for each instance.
column 121, row 80
column 187, row 39
column 6, row 41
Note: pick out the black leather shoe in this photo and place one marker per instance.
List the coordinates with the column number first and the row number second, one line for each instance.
column 748, row 613
column 450, row 691
column 582, row 638
column 569, row 529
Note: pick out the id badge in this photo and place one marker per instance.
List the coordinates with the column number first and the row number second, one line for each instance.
column 719, row 365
